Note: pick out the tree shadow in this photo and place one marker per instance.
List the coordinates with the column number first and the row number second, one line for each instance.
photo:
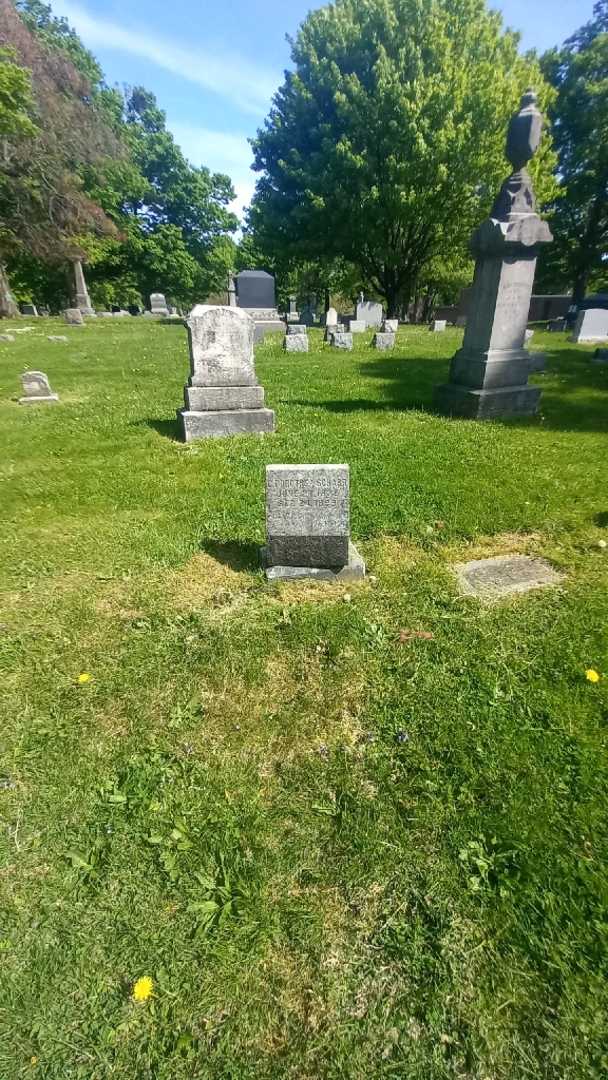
column 408, row 381
column 601, row 519
column 239, row 555
column 169, row 429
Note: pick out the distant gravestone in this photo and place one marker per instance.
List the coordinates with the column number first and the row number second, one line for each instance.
column 28, row 309
column 307, row 523
column 556, row 326
column 333, row 328
column 308, row 315
column 382, row 340
column 357, row 326
column 369, row 312
column 591, row 325
column 223, row 396
column 331, row 317
column 56, row 337
column 36, row 388
column 341, row 340
column 292, row 313
column 438, row 326
column 73, row 316
column 296, row 343
column 390, row 326
column 7, row 337
column 491, row 579
column 296, row 328
column 255, row 293
column 158, row 304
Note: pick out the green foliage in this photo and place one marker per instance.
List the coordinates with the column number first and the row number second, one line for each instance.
column 58, row 34
column 16, row 102
column 579, row 73
column 385, row 145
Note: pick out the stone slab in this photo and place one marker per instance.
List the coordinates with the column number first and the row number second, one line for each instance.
column 370, row 312
column 296, row 328
column 74, row 316
column 557, row 326
column 383, row 340
column 354, row 570
column 341, row 340
column 390, row 326
column 487, row 404
column 491, row 579
column 296, row 343
column 357, row 326
column 210, row 425
column 219, row 398
column 438, row 326
column 591, row 325
column 307, row 515
column 221, row 346
column 36, row 388
column 7, row 337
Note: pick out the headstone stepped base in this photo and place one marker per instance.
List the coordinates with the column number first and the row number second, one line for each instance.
column 353, row 570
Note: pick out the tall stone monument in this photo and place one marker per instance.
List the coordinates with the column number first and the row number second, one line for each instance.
column 83, row 300
column 307, row 524
column 222, row 396
column 489, row 374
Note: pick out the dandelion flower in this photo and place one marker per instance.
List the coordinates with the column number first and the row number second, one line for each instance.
column 591, row 675
column 142, row 989
column 84, row 678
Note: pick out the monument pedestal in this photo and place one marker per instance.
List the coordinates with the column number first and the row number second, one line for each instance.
column 489, row 374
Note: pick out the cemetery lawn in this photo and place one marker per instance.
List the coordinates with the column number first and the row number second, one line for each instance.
column 347, row 831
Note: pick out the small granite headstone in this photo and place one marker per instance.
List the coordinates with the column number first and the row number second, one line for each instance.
column 73, row 316
column 341, row 340
column 491, row 579
column 36, row 388
column 390, row 326
column 591, row 325
column 438, row 326
column 357, row 326
column 158, row 304
column 383, row 340
column 307, row 524
column 223, row 396
column 28, row 309
column 296, row 328
column 296, row 343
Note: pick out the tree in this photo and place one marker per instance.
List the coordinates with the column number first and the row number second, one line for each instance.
column 16, row 106
column 579, row 72
column 386, row 143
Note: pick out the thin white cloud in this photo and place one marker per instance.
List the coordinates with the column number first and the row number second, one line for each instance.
column 227, row 75
column 220, row 151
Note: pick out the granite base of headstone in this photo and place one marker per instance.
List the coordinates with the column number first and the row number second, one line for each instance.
column 223, row 396
column 295, row 343
column 591, row 326
column 341, row 340
column 73, row 316
column 308, row 524
column 383, row 340
column 537, row 363
column 36, row 389
column 489, row 374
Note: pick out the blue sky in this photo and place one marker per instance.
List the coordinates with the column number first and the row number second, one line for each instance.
column 214, row 66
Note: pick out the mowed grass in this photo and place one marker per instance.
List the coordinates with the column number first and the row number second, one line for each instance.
column 339, row 850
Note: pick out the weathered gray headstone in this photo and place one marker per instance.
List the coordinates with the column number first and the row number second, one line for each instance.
column 333, row 328
column 390, row 326
column 556, row 326
column 28, row 309
column 331, row 317
column 73, row 316
column 296, row 328
column 591, row 325
column 292, row 313
column 158, row 304
column 490, row 579
column 369, row 312
column 383, row 340
column 489, row 374
column 83, row 300
column 36, row 388
column 308, row 523
column 438, row 326
column 341, row 340
column 357, row 326
column 223, row 396
column 297, row 343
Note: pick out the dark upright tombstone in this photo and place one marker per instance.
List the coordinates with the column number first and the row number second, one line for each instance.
column 256, row 295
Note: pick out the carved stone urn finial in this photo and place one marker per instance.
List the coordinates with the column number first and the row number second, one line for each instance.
column 525, row 129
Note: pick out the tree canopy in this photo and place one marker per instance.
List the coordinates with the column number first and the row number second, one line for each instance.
column 385, row 144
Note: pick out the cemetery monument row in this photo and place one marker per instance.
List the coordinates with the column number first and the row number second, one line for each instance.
column 308, row 524
column 223, row 396
column 489, row 374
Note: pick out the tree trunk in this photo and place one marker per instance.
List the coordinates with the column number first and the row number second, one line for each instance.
column 8, row 307
column 327, row 301
column 579, row 287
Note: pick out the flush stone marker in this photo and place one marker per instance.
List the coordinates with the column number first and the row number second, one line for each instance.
column 307, row 524
column 491, row 579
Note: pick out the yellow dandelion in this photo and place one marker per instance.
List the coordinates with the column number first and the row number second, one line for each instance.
column 84, row 678
column 591, row 675
column 33, row 1060
column 142, row 989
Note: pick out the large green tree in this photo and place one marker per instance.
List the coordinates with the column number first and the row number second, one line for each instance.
column 579, row 114
column 385, row 144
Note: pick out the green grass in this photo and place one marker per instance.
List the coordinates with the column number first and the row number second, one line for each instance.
column 337, row 854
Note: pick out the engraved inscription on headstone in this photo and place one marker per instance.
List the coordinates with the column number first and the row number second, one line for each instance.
column 307, row 510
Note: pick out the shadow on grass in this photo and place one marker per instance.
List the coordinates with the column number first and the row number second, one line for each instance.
column 601, row 519
column 169, row 429
column 408, row 384
column 237, row 554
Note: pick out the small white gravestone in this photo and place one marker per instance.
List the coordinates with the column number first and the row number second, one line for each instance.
column 370, row 312
column 223, row 396
column 591, row 325
column 158, row 304
column 438, row 326
column 357, row 326
column 390, row 326
column 307, row 524
column 36, row 388
column 331, row 317
column 383, row 340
